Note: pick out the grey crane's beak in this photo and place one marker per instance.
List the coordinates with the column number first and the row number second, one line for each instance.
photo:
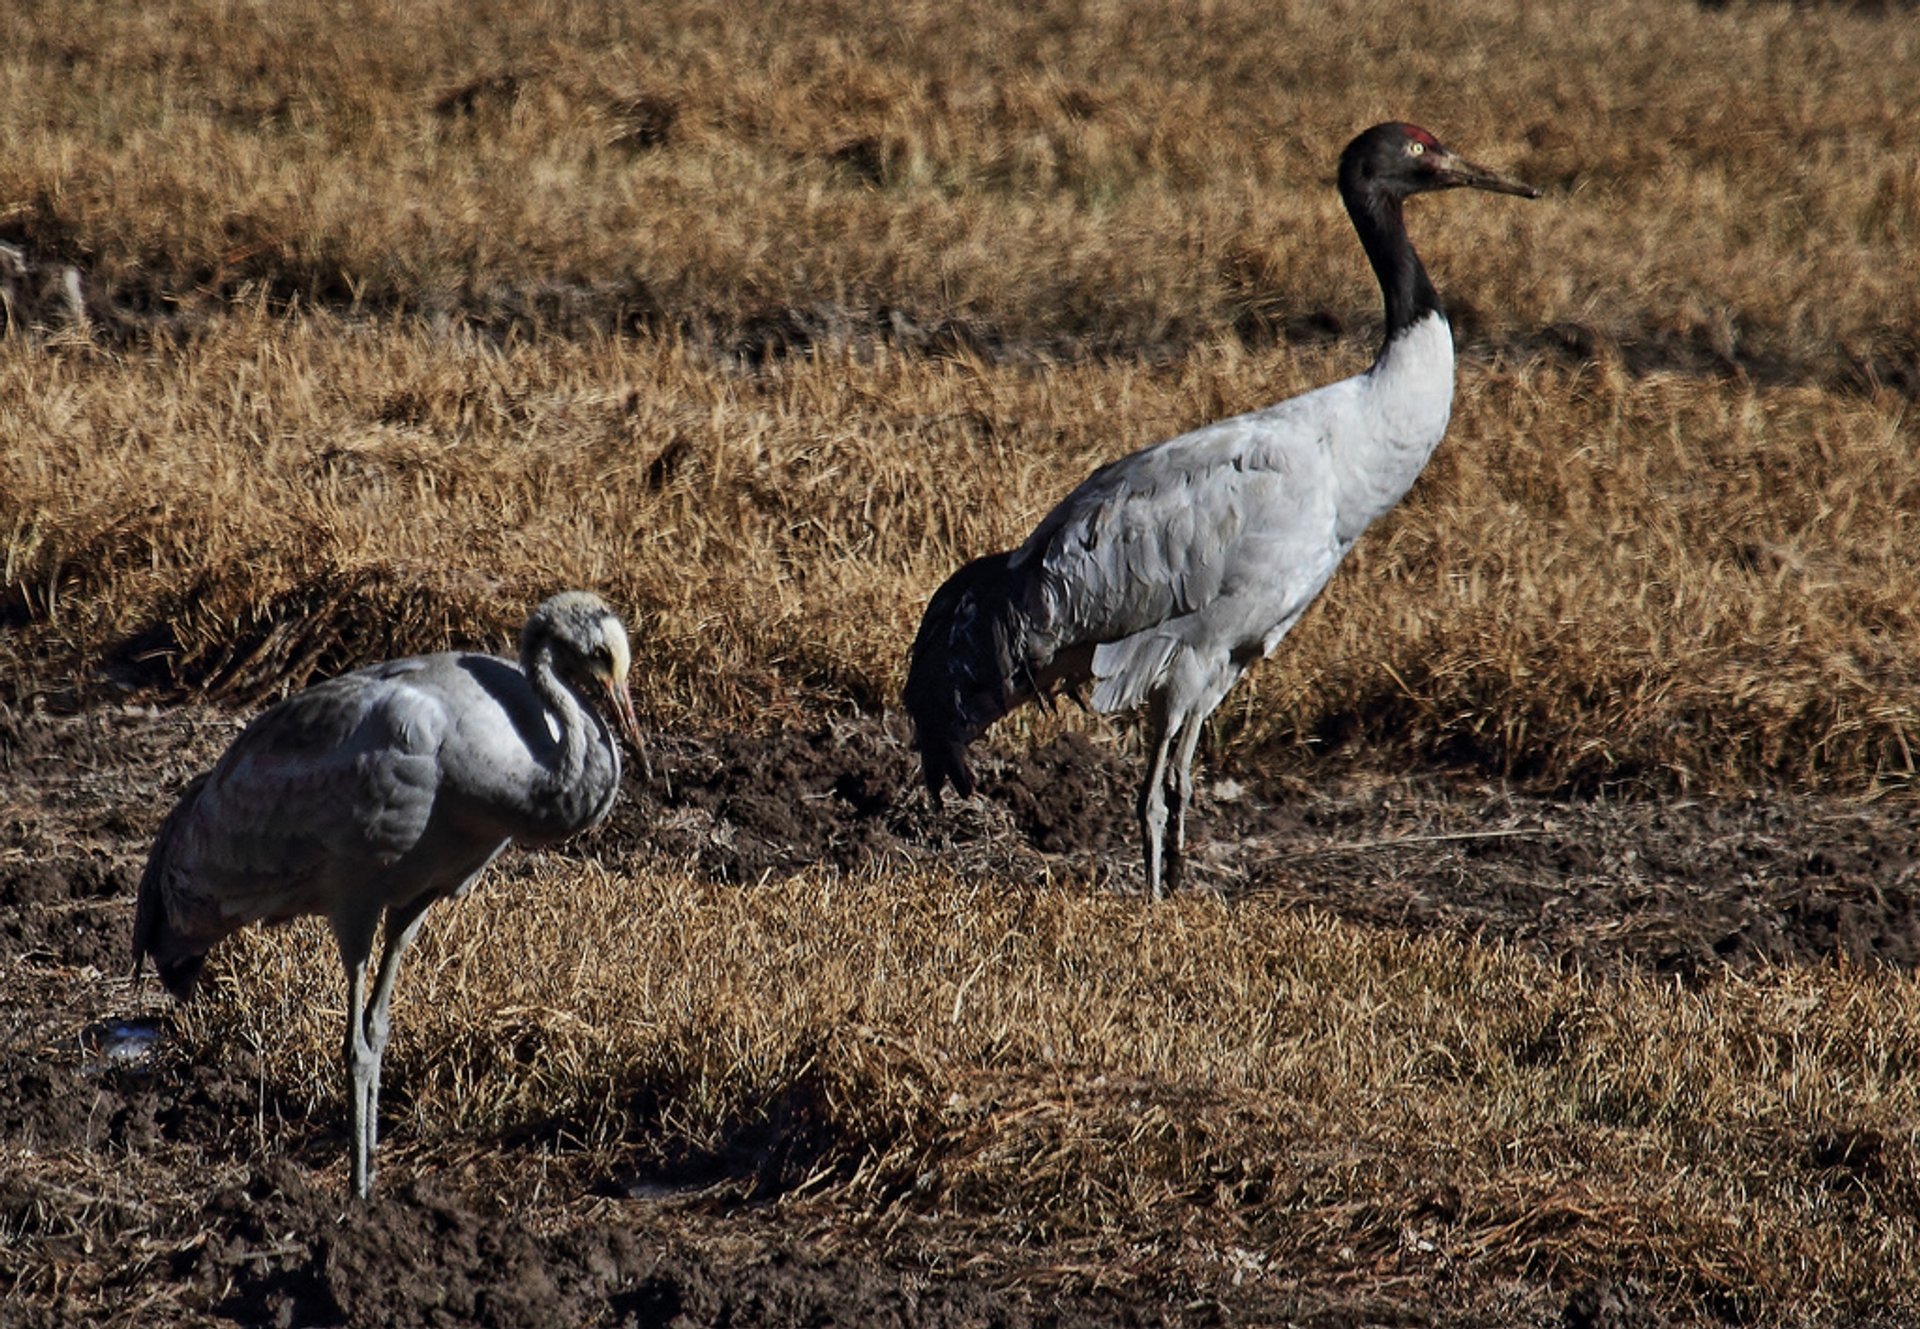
column 629, row 723
column 1453, row 172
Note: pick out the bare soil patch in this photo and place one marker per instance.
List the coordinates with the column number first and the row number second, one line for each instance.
column 1681, row 885
column 220, row 1217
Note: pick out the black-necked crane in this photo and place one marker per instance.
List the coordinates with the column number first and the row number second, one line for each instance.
column 371, row 795
column 1165, row 574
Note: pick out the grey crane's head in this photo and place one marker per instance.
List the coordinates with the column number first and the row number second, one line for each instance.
column 1395, row 161
column 588, row 646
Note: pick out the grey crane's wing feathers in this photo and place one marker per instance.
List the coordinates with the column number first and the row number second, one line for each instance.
column 1174, row 512
column 343, row 773
column 1268, row 584
column 1195, row 555
column 1210, row 540
column 356, row 794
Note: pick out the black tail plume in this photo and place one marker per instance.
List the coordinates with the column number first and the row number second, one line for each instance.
column 965, row 671
column 175, row 959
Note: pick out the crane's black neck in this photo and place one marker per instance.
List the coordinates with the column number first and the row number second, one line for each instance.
column 1404, row 283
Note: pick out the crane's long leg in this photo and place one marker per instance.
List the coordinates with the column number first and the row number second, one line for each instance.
column 1153, row 795
column 355, row 937
column 403, row 925
column 1182, row 778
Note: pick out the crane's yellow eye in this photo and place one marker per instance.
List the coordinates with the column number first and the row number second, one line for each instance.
column 1415, row 149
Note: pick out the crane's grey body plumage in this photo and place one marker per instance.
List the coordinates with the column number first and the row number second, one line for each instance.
column 373, row 794
column 1163, row 576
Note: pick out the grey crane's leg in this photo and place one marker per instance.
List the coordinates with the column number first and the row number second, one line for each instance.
column 355, row 936
column 403, row 925
column 1189, row 742
column 1153, row 796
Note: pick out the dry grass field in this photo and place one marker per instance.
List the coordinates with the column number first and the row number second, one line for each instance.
column 1553, row 961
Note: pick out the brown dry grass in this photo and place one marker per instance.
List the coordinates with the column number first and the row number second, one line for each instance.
column 405, row 315
column 1603, row 576
column 1607, row 575
column 1050, row 1065
column 1068, row 177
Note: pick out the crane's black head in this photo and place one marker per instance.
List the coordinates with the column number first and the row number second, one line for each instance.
column 1395, row 161
column 1379, row 171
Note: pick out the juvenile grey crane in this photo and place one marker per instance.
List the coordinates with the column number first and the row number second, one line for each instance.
column 379, row 792
column 1165, row 574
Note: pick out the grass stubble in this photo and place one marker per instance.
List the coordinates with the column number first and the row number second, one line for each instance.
column 499, row 302
column 1004, row 1071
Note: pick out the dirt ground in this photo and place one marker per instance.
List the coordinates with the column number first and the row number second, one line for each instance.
column 1683, row 886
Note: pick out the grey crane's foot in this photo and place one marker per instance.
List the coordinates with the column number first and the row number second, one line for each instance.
column 1166, row 865
column 362, row 1152
column 363, row 1089
column 1153, row 831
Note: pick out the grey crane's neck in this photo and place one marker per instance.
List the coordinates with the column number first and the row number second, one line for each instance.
column 578, row 784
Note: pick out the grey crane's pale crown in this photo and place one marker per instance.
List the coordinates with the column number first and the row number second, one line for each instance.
column 1163, row 576
column 367, row 797
column 582, row 622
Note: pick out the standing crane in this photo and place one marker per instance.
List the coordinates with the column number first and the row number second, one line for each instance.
column 377, row 793
column 1165, row 574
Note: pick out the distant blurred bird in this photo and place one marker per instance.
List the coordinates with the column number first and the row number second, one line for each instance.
column 381, row 791
column 1166, row 574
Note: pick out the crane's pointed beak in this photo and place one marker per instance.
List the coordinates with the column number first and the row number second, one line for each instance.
column 1455, row 172
column 629, row 723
